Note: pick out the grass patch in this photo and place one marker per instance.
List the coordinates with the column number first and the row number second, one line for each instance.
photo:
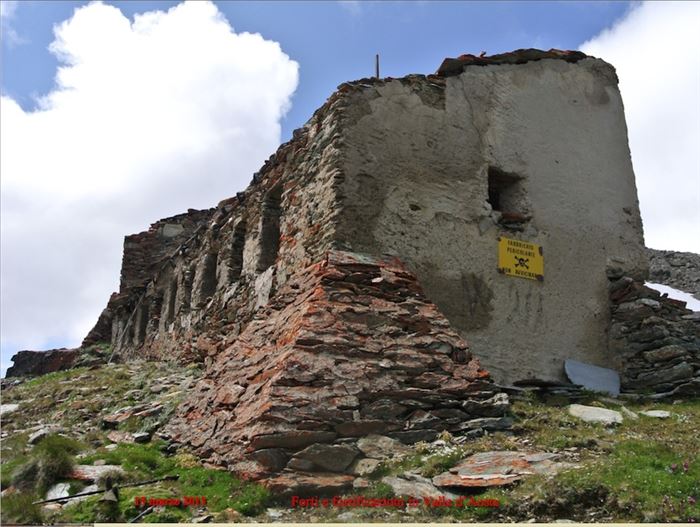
column 146, row 461
column 50, row 462
column 19, row 508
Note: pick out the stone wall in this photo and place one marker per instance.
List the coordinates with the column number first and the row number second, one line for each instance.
column 191, row 283
column 655, row 340
column 534, row 148
column 348, row 347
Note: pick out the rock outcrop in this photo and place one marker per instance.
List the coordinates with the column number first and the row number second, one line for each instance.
column 27, row 363
column 348, row 347
column 680, row 270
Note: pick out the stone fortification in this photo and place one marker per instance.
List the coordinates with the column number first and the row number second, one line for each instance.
column 655, row 340
column 348, row 347
column 431, row 169
column 530, row 146
column 332, row 298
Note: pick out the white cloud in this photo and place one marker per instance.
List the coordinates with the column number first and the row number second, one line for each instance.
column 7, row 33
column 148, row 118
column 655, row 51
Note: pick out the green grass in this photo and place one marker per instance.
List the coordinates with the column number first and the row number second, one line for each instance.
column 49, row 462
column 146, row 462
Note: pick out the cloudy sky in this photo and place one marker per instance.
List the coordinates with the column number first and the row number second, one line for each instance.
column 116, row 114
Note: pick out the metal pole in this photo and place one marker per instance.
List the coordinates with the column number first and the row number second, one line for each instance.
column 376, row 65
column 141, row 515
column 166, row 478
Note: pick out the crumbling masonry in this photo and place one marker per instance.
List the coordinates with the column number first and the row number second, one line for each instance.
column 335, row 296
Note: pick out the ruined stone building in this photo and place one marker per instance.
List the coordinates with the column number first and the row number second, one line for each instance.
column 352, row 286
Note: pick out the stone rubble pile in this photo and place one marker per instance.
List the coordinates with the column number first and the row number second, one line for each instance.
column 655, row 338
column 349, row 347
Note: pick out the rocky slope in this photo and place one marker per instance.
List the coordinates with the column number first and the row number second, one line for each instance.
column 561, row 461
column 680, row 270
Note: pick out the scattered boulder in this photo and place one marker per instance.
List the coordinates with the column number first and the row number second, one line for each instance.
column 141, row 437
column 6, row 409
column 38, row 436
column 93, row 473
column 59, row 490
column 498, row 468
column 413, row 485
column 363, row 467
column 593, row 414
column 119, row 436
column 659, row 414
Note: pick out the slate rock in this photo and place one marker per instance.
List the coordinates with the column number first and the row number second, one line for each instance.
column 38, row 436
column 141, row 437
column 329, row 458
column 659, row 414
column 381, row 447
column 304, row 485
column 364, row 467
column 593, row 377
column 93, row 473
column 6, row 409
column 498, row 468
column 666, row 353
column 680, row 371
column 593, row 414
column 59, row 490
column 417, row 487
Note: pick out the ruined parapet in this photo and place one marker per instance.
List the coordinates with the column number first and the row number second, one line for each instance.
column 191, row 283
column 654, row 340
column 349, row 347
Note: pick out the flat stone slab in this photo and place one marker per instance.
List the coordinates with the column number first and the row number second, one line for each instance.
column 593, row 414
column 304, row 485
column 92, row 472
column 59, row 490
column 659, row 414
column 6, row 409
column 593, row 377
column 498, row 468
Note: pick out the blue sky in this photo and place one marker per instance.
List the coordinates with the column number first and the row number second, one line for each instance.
column 149, row 115
column 337, row 41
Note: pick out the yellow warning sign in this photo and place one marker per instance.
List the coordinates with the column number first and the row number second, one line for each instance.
column 519, row 258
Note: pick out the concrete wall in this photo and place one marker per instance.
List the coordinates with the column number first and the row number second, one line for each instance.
column 417, row 153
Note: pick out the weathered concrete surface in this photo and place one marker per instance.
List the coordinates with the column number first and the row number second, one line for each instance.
column 418, row 152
